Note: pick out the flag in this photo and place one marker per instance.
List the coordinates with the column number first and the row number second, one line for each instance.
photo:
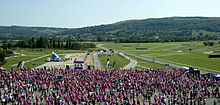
column 84, row 59
column 84, row 67
column 19, row 63
column 113, row 64
column 107, row 62
column 22, row 64
column 72, row 67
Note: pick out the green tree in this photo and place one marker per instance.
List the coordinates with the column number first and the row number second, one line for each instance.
column 51, row 43
column 33, row 42
column 211, row 43
column 62, row 44
column 67, row 44
column 2, row 57
column 58, row 43
column 205, row 43
column 99, row 39
column 200, row 34
column 54, row 43
column 7, row 45
column 42, row 42
column 4, row 45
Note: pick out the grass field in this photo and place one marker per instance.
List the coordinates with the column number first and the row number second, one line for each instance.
column 148, row 64
column 15, row 60
column 174, row 51
column 35, row 53
column 120, row 61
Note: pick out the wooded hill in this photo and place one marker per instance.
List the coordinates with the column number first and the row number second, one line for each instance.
column 21, row 32
column 148, row 30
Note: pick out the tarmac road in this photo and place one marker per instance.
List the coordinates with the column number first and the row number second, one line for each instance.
column 132, row 64
column 97, row 62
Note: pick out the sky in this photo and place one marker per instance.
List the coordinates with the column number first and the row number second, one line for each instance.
column 83, row 13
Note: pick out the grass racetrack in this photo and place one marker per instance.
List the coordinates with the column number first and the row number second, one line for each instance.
column 190, row 53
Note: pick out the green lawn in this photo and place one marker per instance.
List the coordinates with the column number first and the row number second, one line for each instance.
column 120, row 61
column 152, row 65
column 36, row 63
column 15, row 60
column 174, row 51
column 45, row 51
column 194, row 59
column 139, row 67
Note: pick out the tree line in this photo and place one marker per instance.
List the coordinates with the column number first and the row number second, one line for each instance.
column 43, row 42
column 210, row 43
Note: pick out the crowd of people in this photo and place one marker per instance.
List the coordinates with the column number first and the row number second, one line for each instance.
column 54, row 86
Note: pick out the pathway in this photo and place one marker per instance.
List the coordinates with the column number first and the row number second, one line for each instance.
column 97, row 62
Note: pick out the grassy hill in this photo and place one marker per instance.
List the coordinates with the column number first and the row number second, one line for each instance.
column 21, row 32
column 147, row 30
column 157, row 29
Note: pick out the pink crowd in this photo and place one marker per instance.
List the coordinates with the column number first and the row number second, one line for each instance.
column 105, row 87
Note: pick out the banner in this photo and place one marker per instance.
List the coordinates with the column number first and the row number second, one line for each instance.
column 72, row 67
column 107, row 62
column 22, row 64
column 19, row 63
column 113, row 64
column 84, row 67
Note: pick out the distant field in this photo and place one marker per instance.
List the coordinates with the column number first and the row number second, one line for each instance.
column 34, row 53
column 174, row 51
column 120, row 61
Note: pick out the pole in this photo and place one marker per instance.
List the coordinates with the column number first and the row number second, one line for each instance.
column 133, row 95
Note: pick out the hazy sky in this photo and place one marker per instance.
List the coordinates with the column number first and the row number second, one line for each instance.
column 81, row 13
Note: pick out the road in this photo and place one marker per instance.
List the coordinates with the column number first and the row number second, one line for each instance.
column 132, row 64
column 97, row 62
